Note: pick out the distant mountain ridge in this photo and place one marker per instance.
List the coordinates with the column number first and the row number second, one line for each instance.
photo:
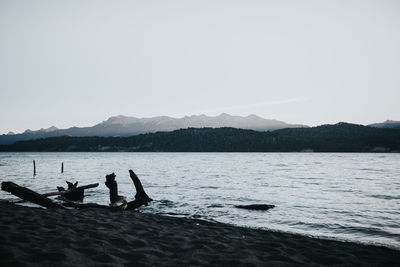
column 386, row 124
column 123, row 126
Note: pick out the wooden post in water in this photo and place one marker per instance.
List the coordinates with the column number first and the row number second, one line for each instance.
column 62, row 167
column 34, row 168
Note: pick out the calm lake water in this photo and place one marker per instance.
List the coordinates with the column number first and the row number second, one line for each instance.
column 352, row 196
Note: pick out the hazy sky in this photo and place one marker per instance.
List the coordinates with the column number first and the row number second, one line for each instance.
column 67, row 63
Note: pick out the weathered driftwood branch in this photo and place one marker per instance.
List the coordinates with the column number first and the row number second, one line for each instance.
column 60, row 193
column 135, row 204
column 141, row 198
column 140, row 194
column 119, row 202
column 29, row 195
column 112, row 186
column 74, row 193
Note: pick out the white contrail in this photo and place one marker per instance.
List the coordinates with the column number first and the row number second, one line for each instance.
column 261, row 104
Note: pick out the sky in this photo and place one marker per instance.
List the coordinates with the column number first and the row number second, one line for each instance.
column 78, row 62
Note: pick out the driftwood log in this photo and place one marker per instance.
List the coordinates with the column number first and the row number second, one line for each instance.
column 119, row 202
column 29, row 195
column 140, row 196
column 71, row 204
column 72, row 193
column 116, row 201
column 112, row 186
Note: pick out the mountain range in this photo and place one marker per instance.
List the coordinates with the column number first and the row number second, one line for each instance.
column 122, row 126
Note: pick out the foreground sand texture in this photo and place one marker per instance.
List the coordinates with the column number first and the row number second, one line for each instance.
column 35, row 236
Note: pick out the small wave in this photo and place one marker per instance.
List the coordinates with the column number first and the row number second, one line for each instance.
column 392, row 212
column 370, row 231
column 280, row 165
column 165, row 203
column 215, row 206
column 195, row 216
column 387, row 197
column 245, row 199
column 209, row 187
column 363, row 178
column 308, row 178
column 174, row 214
column 373, row 170
column 345, row 229
column 311, row 183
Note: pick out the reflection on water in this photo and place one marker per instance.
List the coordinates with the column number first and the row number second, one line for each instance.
column 344, row 196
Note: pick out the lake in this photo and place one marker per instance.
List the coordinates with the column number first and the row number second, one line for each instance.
column 342, row 196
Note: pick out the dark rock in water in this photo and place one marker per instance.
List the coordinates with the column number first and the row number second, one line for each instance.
column 255, row 207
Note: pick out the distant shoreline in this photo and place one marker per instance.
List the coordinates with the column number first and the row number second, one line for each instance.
column 338, row 138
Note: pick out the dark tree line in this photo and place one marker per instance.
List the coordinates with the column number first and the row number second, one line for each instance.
column 341, row 137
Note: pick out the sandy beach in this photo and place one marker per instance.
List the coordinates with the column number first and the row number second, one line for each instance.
column 49, row 237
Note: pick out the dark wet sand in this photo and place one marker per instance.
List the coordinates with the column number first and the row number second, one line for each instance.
column 96, row 237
